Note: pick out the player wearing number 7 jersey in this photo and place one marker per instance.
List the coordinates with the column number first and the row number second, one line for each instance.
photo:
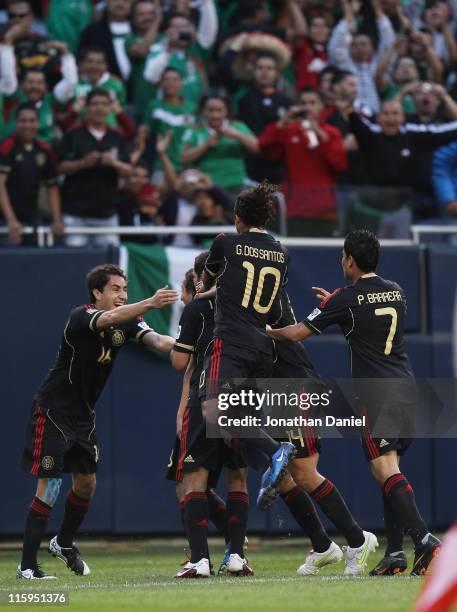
column 250, row 268
column 371, row 313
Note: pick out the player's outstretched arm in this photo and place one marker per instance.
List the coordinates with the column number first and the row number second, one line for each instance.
column 158, row 341
column 321, row 293
column 180, row 361
column 295, row 332
column 122, row 314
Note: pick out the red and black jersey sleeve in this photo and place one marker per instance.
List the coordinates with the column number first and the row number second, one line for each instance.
column 216, row 256
column 84, row 318
column 190, row 328
column 333, row 310
column 7, row 153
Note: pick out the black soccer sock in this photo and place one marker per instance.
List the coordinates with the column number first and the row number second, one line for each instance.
column 196, row 515
column 402, row 500
column 35, row 528
column 218, row 513
column 334, row 507
column 393, row 527
column 75, row 510
column 237, row 520
column 252, row 456
column 302, row 509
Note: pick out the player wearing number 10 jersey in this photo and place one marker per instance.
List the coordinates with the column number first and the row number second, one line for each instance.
column 371, row 314
column 251, row 268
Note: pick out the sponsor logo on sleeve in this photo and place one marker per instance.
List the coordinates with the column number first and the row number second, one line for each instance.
column 316, row 312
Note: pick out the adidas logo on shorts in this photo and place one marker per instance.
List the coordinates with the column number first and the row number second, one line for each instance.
column 383, row 443
column 189, row 459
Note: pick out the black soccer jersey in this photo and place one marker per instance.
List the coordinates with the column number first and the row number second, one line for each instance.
column 251, row 268
column 195, row 333
column 371, row 314
column 291, row 358
column 85, row 359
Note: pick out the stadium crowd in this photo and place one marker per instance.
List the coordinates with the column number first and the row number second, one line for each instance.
column 157, row 112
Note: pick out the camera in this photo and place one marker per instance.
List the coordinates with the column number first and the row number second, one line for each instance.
column 184, row 36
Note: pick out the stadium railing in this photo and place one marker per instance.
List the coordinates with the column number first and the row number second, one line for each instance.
column 45, row 236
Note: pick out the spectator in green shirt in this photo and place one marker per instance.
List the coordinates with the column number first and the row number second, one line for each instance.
column 170, row 113
column 93, row 72
column 404, row 74
column 67, row 19
column 146, row 20
column 184, row 48
column 33, row 88
column 217, row 145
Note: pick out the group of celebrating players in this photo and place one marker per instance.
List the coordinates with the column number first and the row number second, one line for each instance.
column 237, row 324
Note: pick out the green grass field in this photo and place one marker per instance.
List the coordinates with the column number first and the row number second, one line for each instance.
column 137, row 576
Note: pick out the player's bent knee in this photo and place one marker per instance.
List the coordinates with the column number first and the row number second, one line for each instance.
column 196, row 481
column 84, row 485
column 235, row 480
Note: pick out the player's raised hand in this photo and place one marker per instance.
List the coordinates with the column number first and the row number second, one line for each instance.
column 163, row 297
column 320, row 293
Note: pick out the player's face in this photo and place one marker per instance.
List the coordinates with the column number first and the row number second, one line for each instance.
column 27, row 125
column 113, row 295
column 186, row 297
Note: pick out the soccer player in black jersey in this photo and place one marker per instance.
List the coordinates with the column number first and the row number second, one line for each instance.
column 292, row 362
column 200, row 457
column 61, row 434
column 371, row 313
column 250, row 268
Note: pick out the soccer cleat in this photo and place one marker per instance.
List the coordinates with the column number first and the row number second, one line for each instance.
column 424, row 555
column 223, row 566
column 390, row 565
column 316, row 561
column 201, row 569
column 33, row 574
column 271, row 478
column 356, row 558
column 225, row 560
column 187, row 559
column 70, row 556
column 236, row 566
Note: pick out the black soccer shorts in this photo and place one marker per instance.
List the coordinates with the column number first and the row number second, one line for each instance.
column 57, row 443
column 395, row 419
column 225, row 361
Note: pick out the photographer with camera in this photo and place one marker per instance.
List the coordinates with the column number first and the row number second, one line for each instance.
column 183, row 48
column 314, row 156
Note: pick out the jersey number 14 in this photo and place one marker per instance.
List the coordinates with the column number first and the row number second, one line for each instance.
column 264, row 272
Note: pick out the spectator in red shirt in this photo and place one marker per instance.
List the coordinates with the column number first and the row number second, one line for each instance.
column 314, row 155
column 311, row 54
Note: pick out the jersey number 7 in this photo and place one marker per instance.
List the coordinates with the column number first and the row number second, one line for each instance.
column 389, row 312
column 266, row 270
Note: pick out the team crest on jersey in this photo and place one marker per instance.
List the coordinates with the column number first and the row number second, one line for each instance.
column 40, row 159
column 47, row 463
column 117, row 338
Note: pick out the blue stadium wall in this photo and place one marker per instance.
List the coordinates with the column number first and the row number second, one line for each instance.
column 136, row 415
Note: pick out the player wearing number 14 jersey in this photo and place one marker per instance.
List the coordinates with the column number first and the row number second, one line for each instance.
column 371, row 313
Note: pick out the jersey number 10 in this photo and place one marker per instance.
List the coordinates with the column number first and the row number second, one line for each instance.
column 265, row 271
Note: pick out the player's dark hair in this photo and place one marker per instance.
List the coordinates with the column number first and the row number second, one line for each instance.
column 98, row 277
column 26, row 106
column 97, row 92
column 255, row 206
column 364, row 248
column 189, row 284
column 199, row 263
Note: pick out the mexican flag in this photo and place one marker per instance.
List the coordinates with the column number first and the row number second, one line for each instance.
column 151, row 267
